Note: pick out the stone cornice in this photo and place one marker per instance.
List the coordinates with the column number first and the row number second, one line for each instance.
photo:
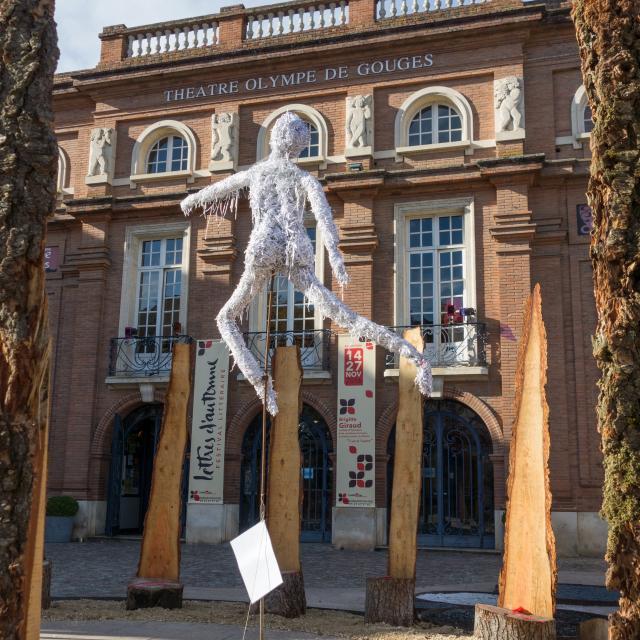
column 358, row 242
column 219, row 254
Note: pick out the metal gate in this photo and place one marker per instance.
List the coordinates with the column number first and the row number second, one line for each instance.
column 316, row 475
column 456, row 504
column 147, row 417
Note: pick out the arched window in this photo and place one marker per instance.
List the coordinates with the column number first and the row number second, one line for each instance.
column 431, row 117
column 581, row 119
column 313, row 150
column 168, row 154
column 167, row 147
column 316, row 152
column 587, row 119
column 435, row 124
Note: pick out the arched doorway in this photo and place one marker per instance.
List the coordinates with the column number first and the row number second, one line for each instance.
column 317, row 475
column 456, row 503
column 133, row 448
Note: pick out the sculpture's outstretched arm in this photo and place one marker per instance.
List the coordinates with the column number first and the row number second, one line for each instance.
column 217, row 198
column 322, row 212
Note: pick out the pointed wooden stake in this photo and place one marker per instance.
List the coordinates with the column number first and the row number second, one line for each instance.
column 528, row 577
column 157, row 583
column 284, row 491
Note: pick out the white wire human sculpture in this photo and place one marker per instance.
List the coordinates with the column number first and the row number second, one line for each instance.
column 278, row 193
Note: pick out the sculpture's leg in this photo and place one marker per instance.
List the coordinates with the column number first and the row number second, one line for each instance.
column 332, row 307
column 250, row 285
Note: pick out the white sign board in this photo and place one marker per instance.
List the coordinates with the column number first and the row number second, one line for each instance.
column 206, row 469
column 356, row 422
column 257, row 561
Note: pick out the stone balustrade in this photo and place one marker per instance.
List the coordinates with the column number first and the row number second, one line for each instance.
column 386, row 9
column 235, row 27
column 291, row 18
column 178, row 36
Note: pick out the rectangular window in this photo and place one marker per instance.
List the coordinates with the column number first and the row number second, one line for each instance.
column 159, row 295
column 436, row 280
column 291, row 311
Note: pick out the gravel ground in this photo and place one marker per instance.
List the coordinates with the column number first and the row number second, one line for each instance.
column 319, row 622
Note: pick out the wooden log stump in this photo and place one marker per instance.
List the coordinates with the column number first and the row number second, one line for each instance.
column 595, row 629
column 143, row 593
column 494, row 623
column 390, row 600
column 287, row 600
column 46, row 584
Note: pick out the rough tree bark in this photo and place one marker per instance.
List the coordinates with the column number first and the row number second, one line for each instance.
column 28, row 161
column 609, row 39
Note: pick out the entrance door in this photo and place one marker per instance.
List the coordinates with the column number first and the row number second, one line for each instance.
column 135, row 439
column 456, row 505
column 316, row 475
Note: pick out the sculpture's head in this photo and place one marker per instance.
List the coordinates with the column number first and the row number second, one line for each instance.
column 289, row 136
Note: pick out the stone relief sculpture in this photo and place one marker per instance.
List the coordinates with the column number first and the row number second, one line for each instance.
column 223, row 141
column 278, row 195
column 101, row 152
column 508, row 100
column 359, row 121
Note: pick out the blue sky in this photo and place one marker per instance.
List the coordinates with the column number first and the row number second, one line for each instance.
column 80, row 22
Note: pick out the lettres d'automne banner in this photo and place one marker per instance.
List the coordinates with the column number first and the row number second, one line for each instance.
column 206, row 469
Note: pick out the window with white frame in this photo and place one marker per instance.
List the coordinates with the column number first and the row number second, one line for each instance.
column 313, row 148
column 159, row 292
column 317, row 150
column 435, row 124
column 433, row 116
column 435, row 248
column 294, row 320
column 168, row 154
column 587, row 119
column 435, row 279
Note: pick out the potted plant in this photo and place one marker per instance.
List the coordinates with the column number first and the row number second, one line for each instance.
column 59, row 522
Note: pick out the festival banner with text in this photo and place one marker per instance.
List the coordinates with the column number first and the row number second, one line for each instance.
column 356, row 422
column 206, row 470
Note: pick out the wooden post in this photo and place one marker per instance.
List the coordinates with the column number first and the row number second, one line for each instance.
column 157, row 582
column 284, row 494
column 391, row 599
column 35, row 537
column 494, row 623
column 528, row 576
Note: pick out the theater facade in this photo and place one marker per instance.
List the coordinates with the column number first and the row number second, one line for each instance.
column 451, row 138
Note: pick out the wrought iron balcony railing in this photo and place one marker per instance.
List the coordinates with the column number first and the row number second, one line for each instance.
column 460, row 344
column 142, row 356
column 314, row 346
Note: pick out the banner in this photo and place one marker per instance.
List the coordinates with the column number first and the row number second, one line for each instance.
column 356, row 422
column 206, row 469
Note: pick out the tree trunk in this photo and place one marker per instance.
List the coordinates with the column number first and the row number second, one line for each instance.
column 288, row 599
column 609, row 40
column 494, row 623
column 390, row 600
column 528, row 576
column 28, row 160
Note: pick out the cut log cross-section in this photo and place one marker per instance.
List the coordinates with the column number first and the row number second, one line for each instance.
column 283, row 485
column 391, row 599
column 160, row 551
column 494, row 623
column 528, row 577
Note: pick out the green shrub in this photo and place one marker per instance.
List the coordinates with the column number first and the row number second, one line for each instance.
column 64, row 506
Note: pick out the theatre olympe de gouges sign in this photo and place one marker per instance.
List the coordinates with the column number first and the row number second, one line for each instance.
column 302, row 77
